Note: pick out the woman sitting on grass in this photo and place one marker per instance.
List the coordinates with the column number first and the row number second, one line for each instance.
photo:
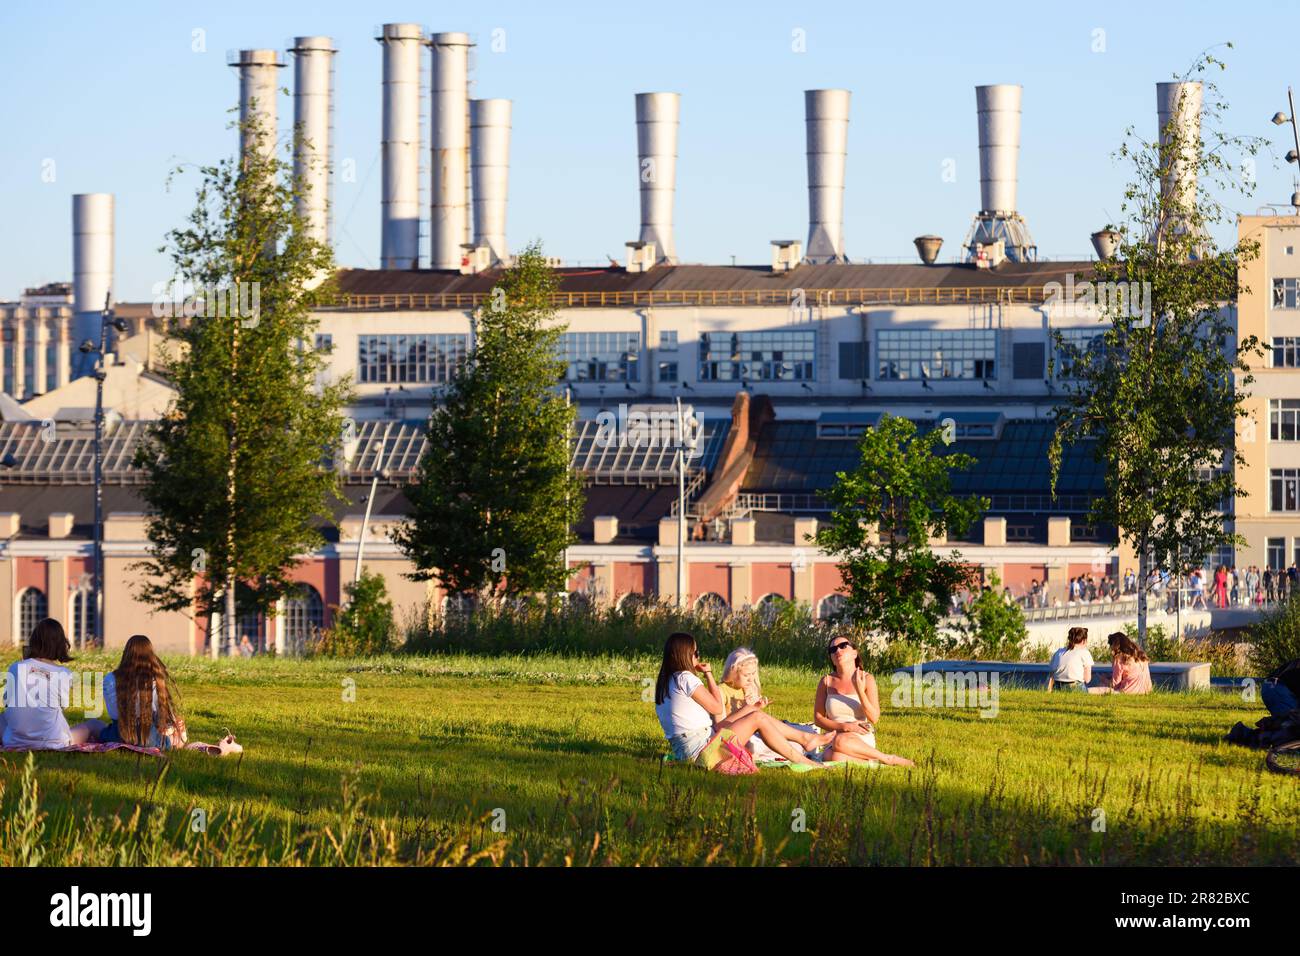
column 1130, row 672
column 688, row 710
column 141, row 700
column 38, row 689
column 848, row 703
column 1071, row 667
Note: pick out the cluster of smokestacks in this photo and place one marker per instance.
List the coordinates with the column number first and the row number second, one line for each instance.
column 469, row 145
column 470, row 156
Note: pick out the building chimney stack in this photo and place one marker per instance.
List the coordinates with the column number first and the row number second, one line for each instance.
column 657, row 119
column 490, row 163
column 400, row 206
column 258, row 87
column 450, row 223
column 998, row 113
column 92, row 273
column 826, row 118
column 313, row 82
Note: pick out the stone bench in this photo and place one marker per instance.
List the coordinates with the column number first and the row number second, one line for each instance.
column 1172, row 675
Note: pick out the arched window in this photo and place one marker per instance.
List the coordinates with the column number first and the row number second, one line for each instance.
column 769, row 607
column 458, row 605
column 304, row 618
column 81, row 612
column 712, row 603
column 32, row 609
column 832, row 608
column 249, row 633
column 633, row 603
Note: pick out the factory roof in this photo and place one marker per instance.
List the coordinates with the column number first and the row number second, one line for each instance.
column 725, row 285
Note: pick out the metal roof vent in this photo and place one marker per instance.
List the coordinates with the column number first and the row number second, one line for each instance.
column 640, row 256
column 1105, row 242
column 927, row 247
column 786, row 254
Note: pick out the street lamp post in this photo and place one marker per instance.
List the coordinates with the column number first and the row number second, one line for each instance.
column 107, row 318
column 1292, row 156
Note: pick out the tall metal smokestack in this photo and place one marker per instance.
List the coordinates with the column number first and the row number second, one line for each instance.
column 400, row 203
column 92, row 273
column 450, row 226
column 826, row 117
column 1178, row 110
column 657, row 118
column 489, row 122
column 313, row 80
column 258, row 88
column 998, row 113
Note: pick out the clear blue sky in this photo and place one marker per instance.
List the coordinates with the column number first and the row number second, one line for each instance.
column 115, row 95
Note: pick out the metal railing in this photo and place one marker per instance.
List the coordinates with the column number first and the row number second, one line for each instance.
column 955, row 295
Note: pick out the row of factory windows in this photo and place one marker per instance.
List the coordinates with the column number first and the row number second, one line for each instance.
column 766, row 356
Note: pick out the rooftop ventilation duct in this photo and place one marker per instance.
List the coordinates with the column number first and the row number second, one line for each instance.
column 92, row 273
column 927, row 247
column 998, row 111
column 258, row 86
column 657, row 119
column 450, row 228
column 786, row 254
column 400, row 203
column 1105, row 242
column 1178, row 111
column 313, row 81
column 489, row 122
column 826, row 118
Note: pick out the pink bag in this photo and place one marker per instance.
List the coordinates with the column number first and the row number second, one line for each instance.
column 723, row 755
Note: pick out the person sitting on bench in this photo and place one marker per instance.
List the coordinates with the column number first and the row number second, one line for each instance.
column 1071, row 667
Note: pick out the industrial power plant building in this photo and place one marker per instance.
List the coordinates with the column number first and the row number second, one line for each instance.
column 779, row 366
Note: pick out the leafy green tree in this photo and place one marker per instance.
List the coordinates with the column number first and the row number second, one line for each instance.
column 993, row 626
column 237, row 476
column 365, row 626
column 1160, row 397
column 884, row 514
column 495, row 496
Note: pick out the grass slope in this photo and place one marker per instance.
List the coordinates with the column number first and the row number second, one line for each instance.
column 544, row 759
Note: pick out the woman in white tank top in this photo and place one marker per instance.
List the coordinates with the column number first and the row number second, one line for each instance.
column 849, row 703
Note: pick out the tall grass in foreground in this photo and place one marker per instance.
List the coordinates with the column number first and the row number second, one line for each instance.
column 852, row 818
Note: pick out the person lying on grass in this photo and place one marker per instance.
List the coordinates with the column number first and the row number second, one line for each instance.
column 687, row 708
column 38, row 689
column 141, row 700
column 1130, row 671
column 1071, row 667
column 848, row 703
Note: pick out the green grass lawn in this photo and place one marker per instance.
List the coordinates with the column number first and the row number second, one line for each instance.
column 545, row 759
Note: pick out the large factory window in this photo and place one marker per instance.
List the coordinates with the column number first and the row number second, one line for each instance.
column 760, row 356
column 602, row 356
column 409, row 358
column 907, row 354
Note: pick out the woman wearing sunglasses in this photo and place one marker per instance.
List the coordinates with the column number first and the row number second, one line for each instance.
column 849, row 703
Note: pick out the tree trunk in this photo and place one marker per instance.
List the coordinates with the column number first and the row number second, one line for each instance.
column 1144, row 572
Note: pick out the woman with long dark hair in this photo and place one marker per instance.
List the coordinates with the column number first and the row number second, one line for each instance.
column 1130, row 671
column 691, row 711
column 141, row 700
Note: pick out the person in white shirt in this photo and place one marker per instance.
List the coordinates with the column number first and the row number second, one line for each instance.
column 1071, row 667
column 37, row 689
column 689, row 710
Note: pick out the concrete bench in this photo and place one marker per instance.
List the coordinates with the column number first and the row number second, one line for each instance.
column 1174, row 675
